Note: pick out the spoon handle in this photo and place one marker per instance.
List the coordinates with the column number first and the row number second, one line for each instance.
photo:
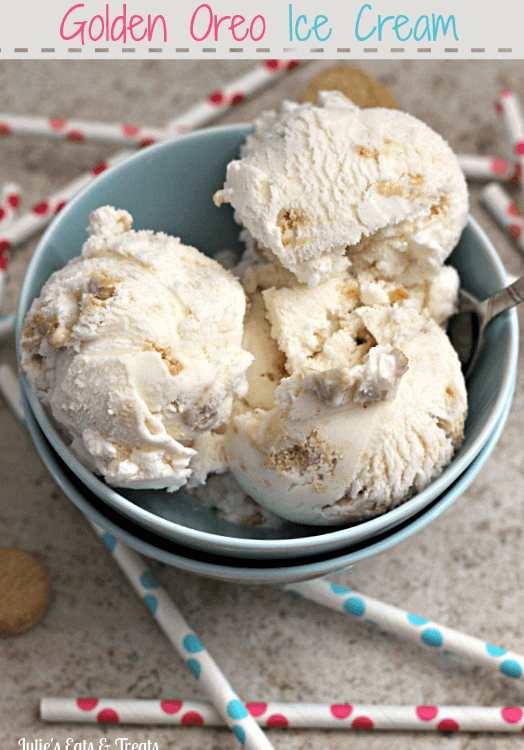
column 509, row 297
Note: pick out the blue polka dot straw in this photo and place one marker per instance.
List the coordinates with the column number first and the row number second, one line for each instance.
column 410, row 626
column 200, row 663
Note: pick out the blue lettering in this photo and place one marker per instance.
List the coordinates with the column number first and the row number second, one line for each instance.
column 363, row 38
column 302, row 38
column 398, row 24
column 425, row 31
column 451, row 19
column 381, row 24
column 319, row 23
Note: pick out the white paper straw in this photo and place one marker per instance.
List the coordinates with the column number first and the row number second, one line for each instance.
column 7, row 325
column 201, row 664
column 489, row 168
column 10, row 389
column 502, row 208
column 78, row 131
column 232, row 93
column 9, row 202
column 3, row 275
column 286, row 715
column 508, row 107
column 21, row 229
column 422, row 632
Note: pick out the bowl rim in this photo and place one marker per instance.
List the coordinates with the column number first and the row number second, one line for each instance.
column 237, row 545
column 340, row 561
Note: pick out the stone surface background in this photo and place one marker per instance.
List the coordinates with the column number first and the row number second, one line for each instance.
column 465, row 570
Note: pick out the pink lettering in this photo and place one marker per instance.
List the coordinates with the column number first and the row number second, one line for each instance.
column 132, row 24
column 76, row 23
column 90, row 29
column 115, row 30
column 193, row 19
column 213, row 21
column 151, row 27
column 123, row 32
column 217, row 24
column 234, row 24
column 253, row 37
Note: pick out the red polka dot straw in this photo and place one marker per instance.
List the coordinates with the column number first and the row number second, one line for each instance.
column 513, row 122
column 9, row 203
column 486, row 167
column 503, row 209
column 25, row 225
column 342, row 716
column 77, row 131
column 229, row 95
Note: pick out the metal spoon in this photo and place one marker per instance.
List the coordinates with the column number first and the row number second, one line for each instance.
column 466, row 328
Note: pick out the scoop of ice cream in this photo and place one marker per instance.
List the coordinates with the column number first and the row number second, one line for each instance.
column 315, row 183
column 135, row 346
column 315, row 459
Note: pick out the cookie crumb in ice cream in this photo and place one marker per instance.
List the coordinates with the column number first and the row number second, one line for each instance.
column 135, row 347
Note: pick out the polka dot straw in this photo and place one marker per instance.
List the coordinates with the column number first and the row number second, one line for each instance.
column 508, row 107
column 502, row 208
column 20, row 229
column 9, row 202
column 412, row 627
column 197, row 658
column 78, row 131
column 343, row 716
column 232, row 93
column 489, row 168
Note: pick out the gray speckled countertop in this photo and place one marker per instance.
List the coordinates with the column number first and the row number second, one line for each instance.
column 465, row 570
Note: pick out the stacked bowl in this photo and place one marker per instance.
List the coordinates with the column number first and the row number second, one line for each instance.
column 169, row 187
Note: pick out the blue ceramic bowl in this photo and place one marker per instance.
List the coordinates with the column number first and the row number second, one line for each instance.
column 169, row 187
column 274, row 571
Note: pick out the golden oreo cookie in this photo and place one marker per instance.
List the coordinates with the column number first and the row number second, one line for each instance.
column 24, row 591
column 354, row 83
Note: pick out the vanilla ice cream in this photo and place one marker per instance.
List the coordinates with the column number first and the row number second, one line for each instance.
column 356, row 398
column 334, row 394
column 135, row 347
column 314, row 184
column 368, row 403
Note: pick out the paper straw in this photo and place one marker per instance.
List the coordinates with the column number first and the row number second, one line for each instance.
column 407, row 625
column 199, row 661
column 489, row 168
column 10, row 389
column 4, row 261
column 9, row 202
column 21, row 229
column 509, row 108
column 3, row 275
column 78, row 131
column 286, row 715
column 504, row 211
column 232, row 93
column 7, row 325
